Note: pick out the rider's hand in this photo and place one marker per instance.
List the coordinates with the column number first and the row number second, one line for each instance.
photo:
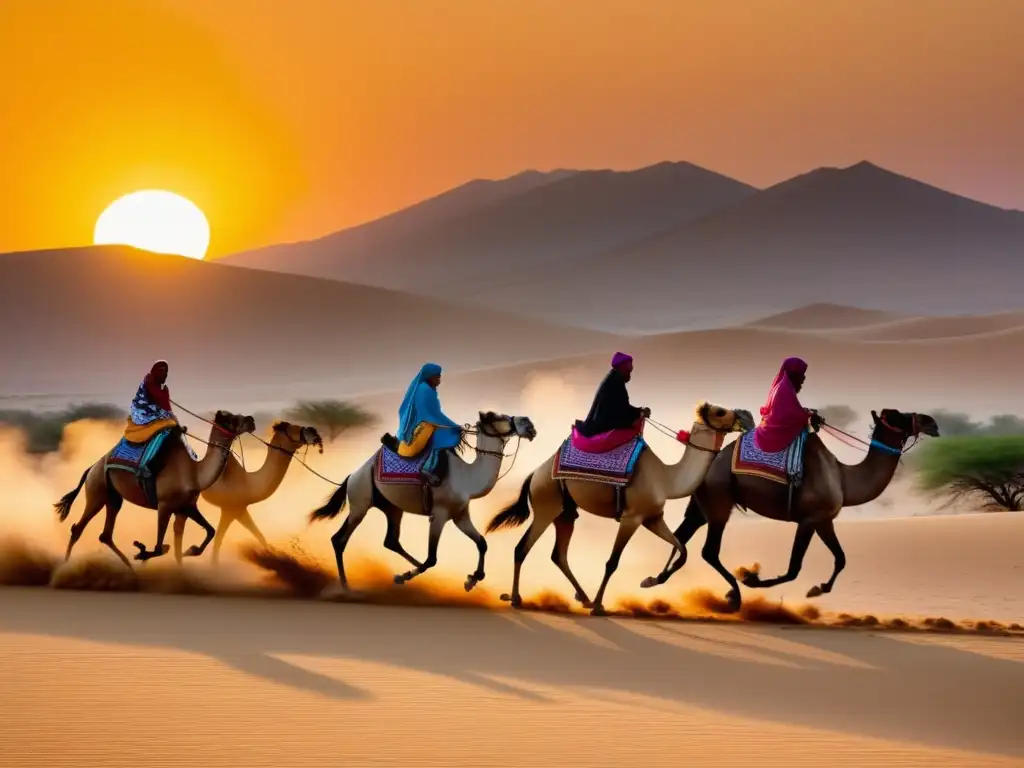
column 645, row 412
column 816, row 420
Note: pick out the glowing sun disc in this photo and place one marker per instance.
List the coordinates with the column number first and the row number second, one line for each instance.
column 155, row 220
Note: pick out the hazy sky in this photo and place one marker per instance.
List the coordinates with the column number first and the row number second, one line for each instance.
column 287, row 119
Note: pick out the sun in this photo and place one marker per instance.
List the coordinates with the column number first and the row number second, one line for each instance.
column 155, row 220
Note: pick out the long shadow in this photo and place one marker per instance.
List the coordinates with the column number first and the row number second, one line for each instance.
column 899, row 690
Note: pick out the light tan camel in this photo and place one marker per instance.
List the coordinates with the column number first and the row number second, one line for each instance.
column 237, row 488
column 178, row 480
column 462, row 483
column 828, row 486
column 653, row 483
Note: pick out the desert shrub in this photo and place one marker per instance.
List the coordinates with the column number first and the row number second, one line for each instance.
column 985, row 468
column 331, row 416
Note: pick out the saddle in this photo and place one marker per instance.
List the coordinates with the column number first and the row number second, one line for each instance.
column 608, row 458
column 405, row 460
column 144, row 460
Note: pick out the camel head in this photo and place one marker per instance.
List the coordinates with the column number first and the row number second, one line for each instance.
column 500, row 425
column 299, row 436
column 723, row 419
column 906, row 425
column 234, row 424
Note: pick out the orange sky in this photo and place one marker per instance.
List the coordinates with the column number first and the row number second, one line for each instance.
column 287, row 120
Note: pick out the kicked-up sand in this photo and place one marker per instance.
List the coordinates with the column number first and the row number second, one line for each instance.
column 126, row 679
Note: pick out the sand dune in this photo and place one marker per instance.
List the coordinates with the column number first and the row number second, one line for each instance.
column 828, row 318
column 237, row 329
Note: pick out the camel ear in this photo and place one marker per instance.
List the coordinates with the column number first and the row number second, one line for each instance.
column 874, row 416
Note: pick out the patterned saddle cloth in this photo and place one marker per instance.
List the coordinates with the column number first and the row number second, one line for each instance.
column 391, row 469
column 614, row 467
column 137, row 458
column 785, row 466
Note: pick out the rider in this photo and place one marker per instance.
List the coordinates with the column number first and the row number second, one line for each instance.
column 151, row 408
column 611, row 408
column 422, row 424
column 782, row 417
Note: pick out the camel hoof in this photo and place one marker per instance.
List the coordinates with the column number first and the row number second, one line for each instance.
column 650, row 581
column 598, row 610
column 817, row 591
column 751, row 579
column 193, row 551
column 514, row 600
column 584, row 600
column 400, row 579
column 734, row 601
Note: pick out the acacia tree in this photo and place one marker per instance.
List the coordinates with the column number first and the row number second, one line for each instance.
column 331, row 416
column 838, row 416
column 987, row 468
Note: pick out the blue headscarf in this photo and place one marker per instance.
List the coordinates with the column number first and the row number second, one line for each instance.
column 408, row 414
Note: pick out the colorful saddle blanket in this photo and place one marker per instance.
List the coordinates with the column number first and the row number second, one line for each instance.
column 785, row 466
column 391, row 469
column 137, row 458
column 614, row 467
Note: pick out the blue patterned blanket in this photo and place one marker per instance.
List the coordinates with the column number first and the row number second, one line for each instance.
column 614, row 467
column 783, row 466
column 392, row 469
column 135, row 457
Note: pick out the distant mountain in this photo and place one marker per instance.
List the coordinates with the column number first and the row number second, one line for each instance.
column 860, row 236
column 89, row 322
column 479, row 248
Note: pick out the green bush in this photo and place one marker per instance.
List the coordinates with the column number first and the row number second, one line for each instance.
column 988, row 468
column 331, row 416
column 44, row 430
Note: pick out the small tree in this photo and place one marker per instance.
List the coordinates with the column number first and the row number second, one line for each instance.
column 838, row 416
column 331, row 416
column 987, row 468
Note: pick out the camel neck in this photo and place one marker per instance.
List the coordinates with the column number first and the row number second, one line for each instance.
column 213, row 463
column 865, row 481
column 686, row 475
column 472, row 481
column 261, row 484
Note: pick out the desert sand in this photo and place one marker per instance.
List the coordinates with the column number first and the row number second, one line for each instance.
column 112, row 679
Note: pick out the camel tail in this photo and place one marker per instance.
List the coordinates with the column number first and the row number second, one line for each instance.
column 333, row 506
column 515, row 514
column 63, row 506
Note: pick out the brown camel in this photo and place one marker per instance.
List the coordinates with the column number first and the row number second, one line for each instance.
column 235, row 489
column 828, row 486
column 179, row 479
column 462, row 483
column 652, row 484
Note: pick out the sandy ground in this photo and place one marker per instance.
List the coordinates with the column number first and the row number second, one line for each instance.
column 102, row 679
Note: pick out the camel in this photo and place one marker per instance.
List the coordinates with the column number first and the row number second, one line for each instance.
column 179, row 479
column 462, row 483
column 652, row 484
column 827, row 487
column 235, row 489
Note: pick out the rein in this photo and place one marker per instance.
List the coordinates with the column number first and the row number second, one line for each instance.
column 469, row 429
column 240, row 455
column 873, row 443
column 669, row 432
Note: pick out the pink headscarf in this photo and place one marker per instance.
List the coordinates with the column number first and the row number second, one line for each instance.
column 621, row 358
column 782, row 416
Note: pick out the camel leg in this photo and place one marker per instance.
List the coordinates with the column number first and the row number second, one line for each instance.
column 193, row 513
column 437, row 523
column 163, row 519
column 627, row 527
column 542, row 518
column 114, row 503
column 179, row 535
column 227, row 517
column 93, row 507
column 693, row 521
column 465, row 524
column 827, row 533
column 250, row 525
column 357, row 512
column 659, row 528
column 804, row 534
column 711, row 553
column 564, row 527
column 392, row 541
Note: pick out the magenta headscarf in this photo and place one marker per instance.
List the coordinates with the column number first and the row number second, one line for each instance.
column 782, row 417
column 621, row 358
